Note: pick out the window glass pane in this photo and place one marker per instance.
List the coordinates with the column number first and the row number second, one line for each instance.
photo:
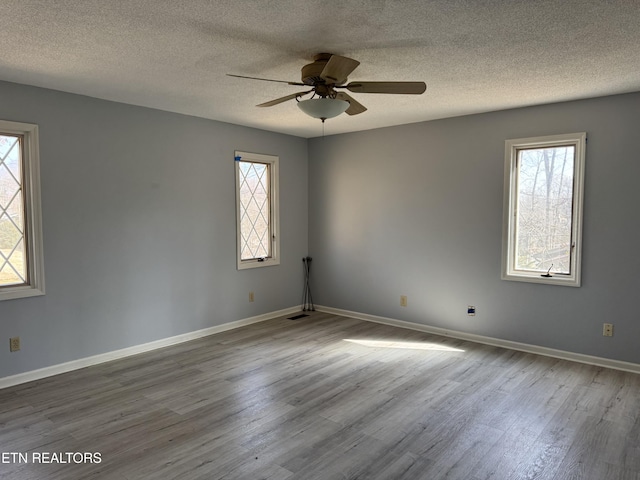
column 255, row 217
column 544, row 209
column 13, row 268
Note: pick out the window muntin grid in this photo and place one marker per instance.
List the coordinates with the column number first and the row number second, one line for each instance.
column 13, row 258
column 21, row 242
column 255, row 211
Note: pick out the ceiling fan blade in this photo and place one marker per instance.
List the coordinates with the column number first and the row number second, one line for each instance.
column 408, row 88
column 338, row 69
column 354, row 107
column 283, row 99
column 266, row 79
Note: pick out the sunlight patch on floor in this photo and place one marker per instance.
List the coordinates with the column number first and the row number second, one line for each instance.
column 403, row 345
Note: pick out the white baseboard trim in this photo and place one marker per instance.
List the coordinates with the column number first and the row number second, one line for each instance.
column 136, row 349
column 497, row 342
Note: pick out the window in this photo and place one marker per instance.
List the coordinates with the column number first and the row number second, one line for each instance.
column 542, row 228
column 257, row 210
column 21, row 261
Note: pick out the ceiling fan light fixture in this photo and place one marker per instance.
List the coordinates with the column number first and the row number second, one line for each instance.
column 323, row 108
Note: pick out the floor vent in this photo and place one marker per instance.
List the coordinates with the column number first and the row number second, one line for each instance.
column 298, row 317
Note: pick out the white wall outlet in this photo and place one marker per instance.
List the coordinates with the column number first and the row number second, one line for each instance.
column 403, row 300
column 251, row 298
column 14, row 344
column 607, row 329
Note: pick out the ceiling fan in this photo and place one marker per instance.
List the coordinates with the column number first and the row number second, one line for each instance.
column 327, row 76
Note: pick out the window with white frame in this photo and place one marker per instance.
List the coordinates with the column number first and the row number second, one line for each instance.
column 21, row 258
column 257, row 210
column 542, row 230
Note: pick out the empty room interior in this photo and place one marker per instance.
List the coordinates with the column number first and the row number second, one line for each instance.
column 319, row 240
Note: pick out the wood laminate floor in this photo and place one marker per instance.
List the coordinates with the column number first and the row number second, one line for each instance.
column 327, row 397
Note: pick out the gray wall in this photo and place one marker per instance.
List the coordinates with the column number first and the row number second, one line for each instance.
column 139, row 228
column 416, row 210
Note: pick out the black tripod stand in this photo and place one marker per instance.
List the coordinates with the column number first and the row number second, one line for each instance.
column 307, row 300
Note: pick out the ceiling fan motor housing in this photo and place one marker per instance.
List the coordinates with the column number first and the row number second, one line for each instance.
column 311, row 72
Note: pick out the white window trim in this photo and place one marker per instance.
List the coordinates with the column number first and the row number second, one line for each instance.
column 578, row 140
column 33, row 211
column 273, row 161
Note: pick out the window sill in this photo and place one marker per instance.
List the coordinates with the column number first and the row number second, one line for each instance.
column 267, row 262
column 22, row 291
column 564, row 280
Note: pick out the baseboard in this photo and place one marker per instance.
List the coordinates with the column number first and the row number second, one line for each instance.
column 136, row 349
column 185, row 337
column 497, row 342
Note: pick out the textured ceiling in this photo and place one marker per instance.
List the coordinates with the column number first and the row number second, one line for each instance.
column 474, row 55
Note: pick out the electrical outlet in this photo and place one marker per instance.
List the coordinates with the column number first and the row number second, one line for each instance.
column 403, row 300
column 251, row 296
column 607, row 329
column 471, row 310
column 14, row 344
